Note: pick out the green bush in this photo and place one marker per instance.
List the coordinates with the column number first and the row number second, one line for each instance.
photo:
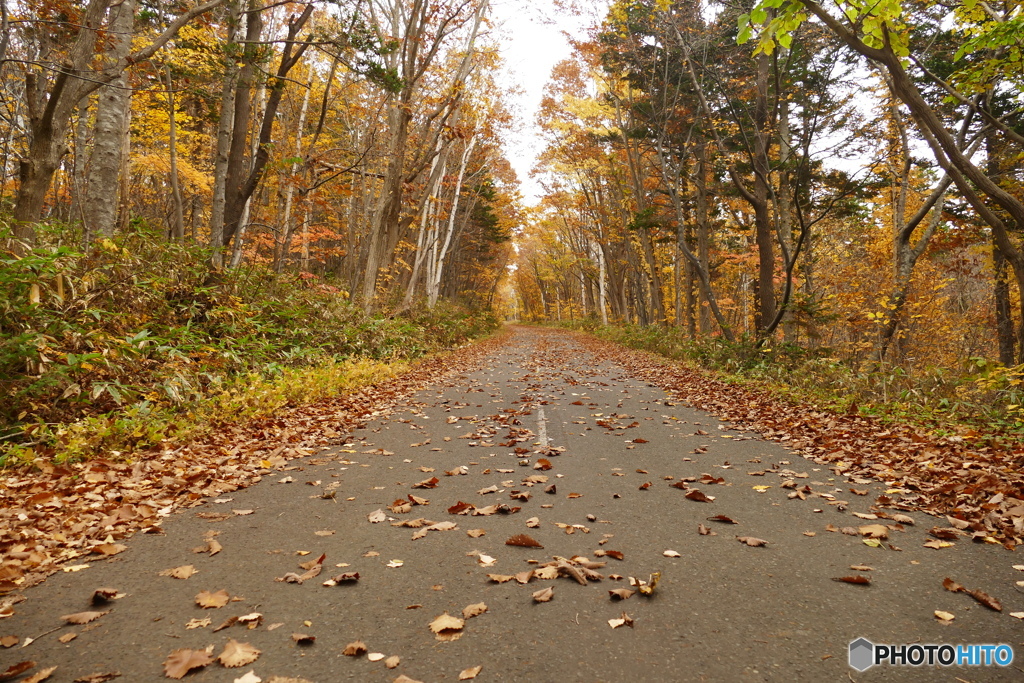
column 134, row 326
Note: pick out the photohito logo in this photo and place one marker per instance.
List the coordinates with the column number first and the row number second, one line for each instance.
column 864, row 654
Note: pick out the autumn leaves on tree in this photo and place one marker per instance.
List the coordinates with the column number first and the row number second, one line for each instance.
column 354, row 139
column 849, row 180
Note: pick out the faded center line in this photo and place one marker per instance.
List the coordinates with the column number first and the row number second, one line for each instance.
column 542, row 426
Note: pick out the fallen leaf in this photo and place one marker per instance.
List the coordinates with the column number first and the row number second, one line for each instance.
column 486, row 560
column 108, row 549
column 83, row 617
column 16, row 670
column 705, row 531
column 354, row 649
column 102, row 596
column 376, row 656
column 624, row 620
column 427, row 483
column 621, row 593
column 9, row 641
column 937, row 544
column 403, row 678
column 489, row 489
column 180, row 662
column 182, row 572
column 208, row 600
column 723, row 519
column 542, row 464
column 447, row 627
column 523, row 541
column 197, row 623
column 751, row 541
column 40, row 675
column 476, row 609
column 699, row 496
column 944, row 616
column 392, row 662
column 237, row 654
column 861, row 568
column 303, row 639
column 859, row 580
column 395, row 564
column 544, row 594
column 461, row 508
column 99, row 678
column 325, row 532
column 874, row 531
column 500, row 578
column 376, row 516
column 476, row 533
column 468, row 674
column 671, row 553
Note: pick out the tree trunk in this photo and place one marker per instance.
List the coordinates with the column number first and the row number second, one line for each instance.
column 224, row 127
column 112, row 105
column 178, row 221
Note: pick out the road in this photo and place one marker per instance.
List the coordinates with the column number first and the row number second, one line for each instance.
column 723, row 610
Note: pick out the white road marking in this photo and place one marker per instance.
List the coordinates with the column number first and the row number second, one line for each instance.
column 542, row 426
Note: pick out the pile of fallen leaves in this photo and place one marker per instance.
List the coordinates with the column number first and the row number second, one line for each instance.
column 980, row 486
column 72, row 514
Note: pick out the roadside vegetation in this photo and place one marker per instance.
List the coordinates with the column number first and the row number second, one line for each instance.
column 131, row 342
column 979, row 400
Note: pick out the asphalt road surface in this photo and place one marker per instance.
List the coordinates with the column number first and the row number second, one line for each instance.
column 722, row 610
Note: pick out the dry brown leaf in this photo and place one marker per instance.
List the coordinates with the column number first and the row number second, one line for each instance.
column 699, row 496
column 16, row 670
column 489, row 489
column 621, row 593
column 354, row 649
column 523, row 541
column 102, row 596
column 544, row 594
column 469, row 674
column 9, row 641
column 447, row 628
column 376, row 517
column 476, row 533
column 180, row 662
column 392, row 662
column 208, row 600
column 427, row 483
column 945, row 617
column 874, row 531
column 752, row 542
column 474, row 610
column 858, row 580
column 237, row 654
column 500, row 578
column 108, row 549
column 723, row 519
column 99, row 678
column 303, row 639
column 405, row 679
column 40, row 675
column 83, row 617
column 624, row 620
column 182, row 572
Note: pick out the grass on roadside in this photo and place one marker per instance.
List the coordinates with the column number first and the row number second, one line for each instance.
column 981, row 399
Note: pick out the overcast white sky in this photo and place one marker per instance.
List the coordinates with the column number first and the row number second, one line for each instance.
column 532, row 43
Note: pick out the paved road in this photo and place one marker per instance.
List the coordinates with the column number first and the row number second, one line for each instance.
column 722, row 611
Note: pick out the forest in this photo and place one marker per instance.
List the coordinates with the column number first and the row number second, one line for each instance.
column 208, row 208
column 199, row 195
column 826, row 195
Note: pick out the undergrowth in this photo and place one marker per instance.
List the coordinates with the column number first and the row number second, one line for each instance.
column 132, row 342
column 981, row 399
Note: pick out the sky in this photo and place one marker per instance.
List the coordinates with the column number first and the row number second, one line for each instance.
column 532, row 43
